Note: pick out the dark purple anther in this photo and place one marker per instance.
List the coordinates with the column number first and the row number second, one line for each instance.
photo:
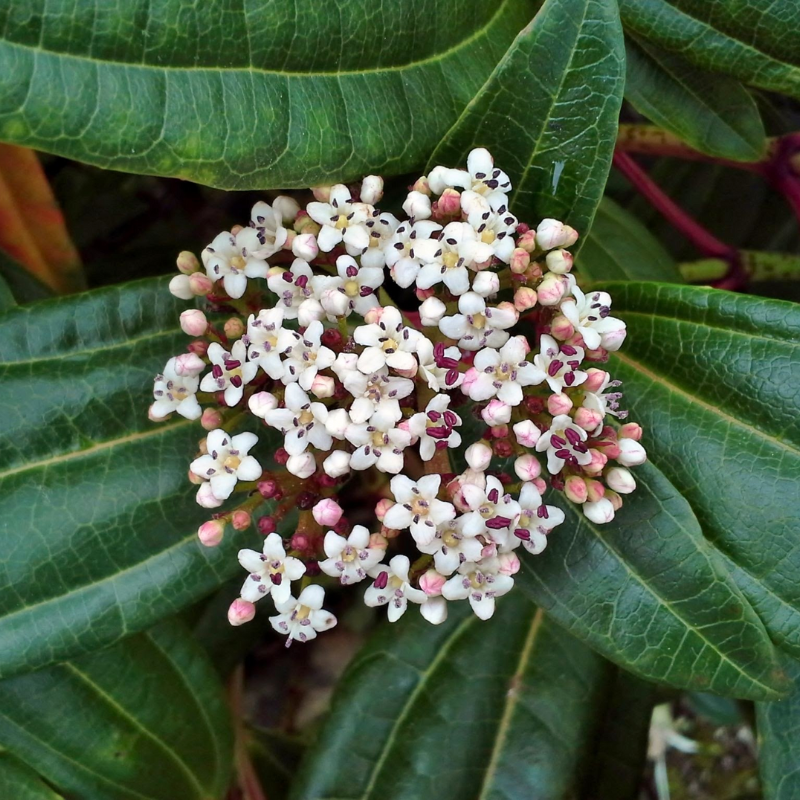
column 232, row 364
column 216, row 371
column 301, row 281
column 236, row 381
column 434, row 416
column 288, row 277
column 351, row 272
column 438, row 432
column 541, row 512
column 568, row 350
column 382, row 580
column 276, row 578
column 451, row 377
column 365, row 291
column 572, row 436
column 450, row 419
column 565, row 454
column 495, row 523
column 493, row 496
column 523, row 534
column 569, row 378
column 554, row 367
column 557, row 441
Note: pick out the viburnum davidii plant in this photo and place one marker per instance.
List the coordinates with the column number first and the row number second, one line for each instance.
column 314, row 347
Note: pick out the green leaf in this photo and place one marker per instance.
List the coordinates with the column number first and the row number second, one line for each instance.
column 713, row 113
column 779, row 744
column 246, row 96
column 96, row 512
column 652, row 595
column 619, row 247
column 24, row 287
column 144, row 720
column 19, row 782
column 753, row 40
column 485, row 710
column 6, row 297
column 714, row 379
column 275, row 758
column 548, row 114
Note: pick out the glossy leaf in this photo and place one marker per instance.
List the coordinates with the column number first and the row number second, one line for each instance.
column 253, row 96
column 721, row 415
column 712, row 113
column 652, row 595
column 753, row 40
column 504, row 709
column 619, row 247
column 549, row 112
column 19, row 782
column 97, row 516
column 146, row 719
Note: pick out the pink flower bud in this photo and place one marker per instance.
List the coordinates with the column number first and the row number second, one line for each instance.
column 631, row 453
column 594, row 490
column 153, row 418
column 267, row 525
column 262, row 402
column 551, row 290
column 527, row 468
column 382, row 506
column 561, row 328
column 180, row 288
column 496, row 413
column 620, row 480
column 489, row 550
column 559, row 404
column 417, row 205
column 575, row 489
column 327, row 512
column 431, row 311
column 199, row 347
column 210, row 533
column 524, row 298
column 196, row 480
column 588, row 418
column 205, row 497
column 233, row 327
column 378, row 541
column 421, row 185
column 193, row 322
column 241, row 611
column 211, row 419
column 559, row 261
column 302, row 465
column 551, row 233
column 631, row 430
column 187, row 262
column 478, row 456
column 200, row 284
column 527, row 433
column 594, row 380
column 268, row 488
column 237, row 229
column 373, row 316
column 189, row 365
column 520, row 259
column 527, row 241
column 305, row 246
column 432, row 582
column 540, row 485
column 599, row 512
column 598, row 462
column 449, row 204
column 372, row 189
column 470, row 378
column 337, row 464
column 500, row 446
column 323, row 386
column 614, row 499
column 509, row 564
column 486, row 284
column 322, row 194
column 241, row 520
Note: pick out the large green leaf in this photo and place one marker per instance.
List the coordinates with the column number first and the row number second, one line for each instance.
column 713, row 113
column 247, row 95
column 97, row 516
column 549, row 111
column 19, row 782
column 652, row 595
column 144, row 720
column 468, row 709
column 754, row 40
column 714, row 378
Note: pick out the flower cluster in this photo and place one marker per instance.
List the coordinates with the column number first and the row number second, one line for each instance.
column 490, row 325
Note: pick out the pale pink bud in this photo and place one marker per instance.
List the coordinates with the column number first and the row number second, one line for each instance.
column 193, row 322
column 373, row 316
column 614, row 499
column 432, row 582
column 210, row 533
column 304, row 246
column 527, row 241
column 302, row 465
column 334, row 302
column 613, row 338
column 432, row 311
column 520, row 259
column 233, row 327
column 417, row 205
column 478, row 456
column 499, row 431
column 262, row 402
column 620, row 480
column 588, row 418
column 323, row 386
column 527, row 468
column 322, row 194
column 199, row 347
column 599, row 512
column 561, row 328
column 631, row 430
column 551, row 290
column 237, row 229
column 180, row 288
column 327, row 512
column 551, row 233
column 241, row 611
column 378, row 541
column 211, row 419
column 310, row 310
column 371, row 189
column 540, row 485
column 337, row 464
column 205, row 497
column 595, row 378
column 594, row 490
column 559, row 404
column 631, row 453
column 422, row 185
column 187, row 262
column 200, row 284
column 382, row 506
column 195, row 479
column 496, row 413
column 241, row 520
column 559, row 261
column 287, row 207
column 486, row 284
column 598, row 462
column 527, row 433
column 508, row 308
column 449, row 204
column 470, row 377
column 189, row 365
column 153, row 418
column 575, row 489
column 489, row 550
column 524, row 298
column 509, row 564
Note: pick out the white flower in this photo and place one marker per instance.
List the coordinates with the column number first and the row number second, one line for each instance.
column 564, row 443
column 267, row 221
column 481, row 177
column 376, row 395
column 342, row 220
column 387, row 342
column 434, row 427
column 226, row 462
column 451, row 546
column 605, row 402
column 357, row 285
column 293, row 286
column 230, row 371
column 307, row 356
column 401, row 256
column 551, row 233
column 503, row 373
column 381, row 227
column 267, row 340
column 337, row 464
column 631, row 453
column 559, row 363
column 492, row 513
column 175, row 392
column 417, row 507
column 535, row 520
column 302, row 422
column 271, row 572
column 371, row 189
column 303, row 618
column 391, row 586
column 600, row 511
column 495, row 227
column 417, row 205
column 350, row 559
column 438, row 365
column 481, row 583
column 379, row 444
column 478, row 326
column 303, row 465
column 231, row 259
column 589, row 315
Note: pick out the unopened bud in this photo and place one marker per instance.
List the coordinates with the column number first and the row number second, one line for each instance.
column 525, row 298
column 305, row 246
column 200, row 284
column 423, row 294
column 304, row 225
column 520, row 259
column 614, row 499
column 189, row 365
column 597, row 464
column 199, row 347
column 241, row 520
column 211, row 419
column 595, row 379
column 241, row 611
column 551, row 290
column 322, row 194
column 551, row 233
column 620, row 480
column 302, row 465
column 327, row 512
column 323, row 386
column 153, row 418
column 187, row 262
column 486, row 284
column 631, row 453
column 432, row 311
column 559, row 404
column 561, row 328
column 478, row 456
column 594, row 490
column 449, row 204
column 267, row 525
column 180, row 288
column 210, row 533
column 372, row 189
column 575, row 489
column 267, row 488
column 287, row 207
column 378, row 541
column 527, row 433
column 631, row 430
column 431, row 582
column 527, row 241
column 205, row 497
column 588, row 418
column 509, row 564
column 262, row 402
column 499, row 431
column 599, row 512
column 527, row 468
column 196, row 480
column 417, row 205
column 337, row 464
column 373, row 316
column 233, row 327
column 559, row 261
column 496, row 413
column 193, row 322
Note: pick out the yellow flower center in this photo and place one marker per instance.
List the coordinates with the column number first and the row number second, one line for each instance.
column 478, row 321
column 419, row 508
column 305, row 417
column 389, row 344
column 449, row 539
column 351, row 288
column 237, row 262
column 232, row 462
column 450, row 260
column 349, row 554
column 487, row 237
column 341, row 222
